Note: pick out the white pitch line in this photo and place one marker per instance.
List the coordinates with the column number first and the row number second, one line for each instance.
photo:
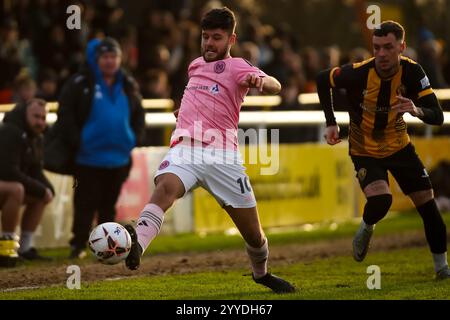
column 57, row 285
column 116, row 278
column 20, row 288
column 120, row 278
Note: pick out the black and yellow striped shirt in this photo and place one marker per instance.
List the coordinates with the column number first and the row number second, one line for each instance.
column 375, row 129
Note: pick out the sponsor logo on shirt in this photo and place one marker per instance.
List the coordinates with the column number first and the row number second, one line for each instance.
column 425, row 82
column 369, row 108
column 197, row 88
column 362, row 174
column 215, row 89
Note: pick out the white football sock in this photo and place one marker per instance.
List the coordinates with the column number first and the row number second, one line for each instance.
column 440, row 261
column 366, row 226
column 149, row 224
column 258, row 259
column 26, row 241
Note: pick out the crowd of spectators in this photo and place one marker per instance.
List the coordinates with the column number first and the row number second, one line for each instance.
column 38, row 52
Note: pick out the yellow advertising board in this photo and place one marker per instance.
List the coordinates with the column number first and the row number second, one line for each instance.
column 311, row 183
column 314, row 183
column 431, row 152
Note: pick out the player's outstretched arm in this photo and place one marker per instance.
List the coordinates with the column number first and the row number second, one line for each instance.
column 271, row 85
column 267, row 84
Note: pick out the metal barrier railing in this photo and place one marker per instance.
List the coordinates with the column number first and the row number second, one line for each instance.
column 249, row 101
column 250, row 118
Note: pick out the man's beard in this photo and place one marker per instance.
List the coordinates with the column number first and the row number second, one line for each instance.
column 219, row 55
column 34, row 131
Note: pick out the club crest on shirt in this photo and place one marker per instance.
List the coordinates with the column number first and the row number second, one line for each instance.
column 401, row 90
column 164, row 165
column 362, row 174
column 219, row 67
column 425, row 82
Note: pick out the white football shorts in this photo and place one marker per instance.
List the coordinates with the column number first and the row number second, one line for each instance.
column 220, row 172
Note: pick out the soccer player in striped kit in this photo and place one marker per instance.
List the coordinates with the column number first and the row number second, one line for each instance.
column 380, row 90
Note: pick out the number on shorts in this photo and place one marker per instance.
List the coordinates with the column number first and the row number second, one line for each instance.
column 244, row 184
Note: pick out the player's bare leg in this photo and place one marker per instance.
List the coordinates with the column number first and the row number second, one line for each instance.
column 168, row 189
column 11, row 198
column 30, row 220
column 379, row 200
column 247, row 222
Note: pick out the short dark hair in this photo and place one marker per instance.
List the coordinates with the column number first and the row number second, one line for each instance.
column 219, row 18
column 39, row 101
column 390, row 26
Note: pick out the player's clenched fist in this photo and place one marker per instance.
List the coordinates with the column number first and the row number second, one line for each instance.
column 332, row 135
column 253, row 81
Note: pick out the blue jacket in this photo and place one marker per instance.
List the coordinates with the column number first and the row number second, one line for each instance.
column 76, row 101
column 107, row 137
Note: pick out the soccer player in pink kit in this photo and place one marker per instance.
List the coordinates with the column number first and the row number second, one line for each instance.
column 208, row 121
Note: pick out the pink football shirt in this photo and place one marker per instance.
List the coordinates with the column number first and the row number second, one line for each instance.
column 212, row 100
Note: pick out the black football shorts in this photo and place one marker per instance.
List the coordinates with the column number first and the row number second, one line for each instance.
column 404, row 165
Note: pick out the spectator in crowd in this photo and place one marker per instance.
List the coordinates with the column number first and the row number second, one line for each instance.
column 24, row 89
column 250, row 52
column 130, row 52
column 440, row 178
column 359, row 55
column 430, row 57
column 57, row 53
column 410, row 53
column 33, row 37
column 311, row 59
column 289, row 101
column 14, row 49
column 102, row 119
column 48, row 85
column 156, row 85
column 10, row 63
column 22, row 180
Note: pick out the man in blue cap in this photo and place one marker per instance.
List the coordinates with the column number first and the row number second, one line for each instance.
column 102, row 120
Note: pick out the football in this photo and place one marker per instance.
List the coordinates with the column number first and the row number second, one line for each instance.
column 110, row 242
